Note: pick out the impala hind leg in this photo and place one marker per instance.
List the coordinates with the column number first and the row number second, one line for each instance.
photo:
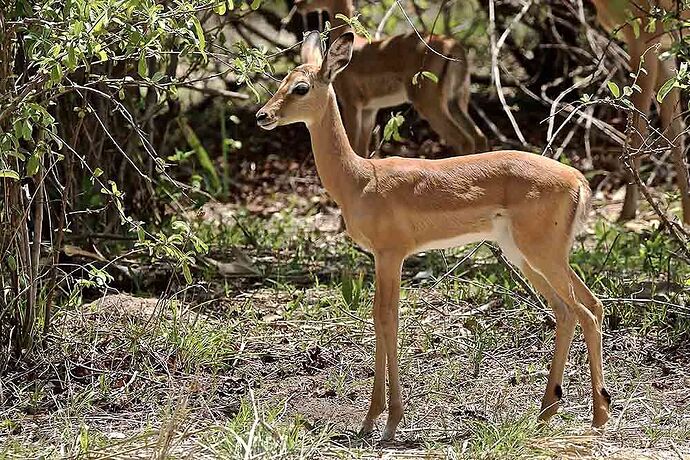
column 386, row 299
column 672, row 122
column 565, row 329
column 548, row 257
column 368, row 121
column 462, row 117
column 429, row 100
column 642, row 101
column 589, row 312
column 591, row 321
column 352, row 120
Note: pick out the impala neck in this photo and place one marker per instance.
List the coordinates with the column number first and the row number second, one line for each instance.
column 345, row 7
column 339, row 167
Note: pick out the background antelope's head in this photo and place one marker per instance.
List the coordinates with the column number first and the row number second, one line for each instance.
column 302, row 94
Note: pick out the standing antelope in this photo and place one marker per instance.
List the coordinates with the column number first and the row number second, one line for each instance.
column 616, row 16
column 381, row 75
column 529, row 204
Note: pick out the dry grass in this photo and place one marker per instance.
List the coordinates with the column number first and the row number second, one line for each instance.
column 282, row 366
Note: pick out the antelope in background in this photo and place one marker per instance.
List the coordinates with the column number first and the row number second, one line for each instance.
column 381, row 75
column 614, row 15
column 530, row 205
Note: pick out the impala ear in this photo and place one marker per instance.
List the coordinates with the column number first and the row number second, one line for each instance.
column 337, row 57
column 311, row 48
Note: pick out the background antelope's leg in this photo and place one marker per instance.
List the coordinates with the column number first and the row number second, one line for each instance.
column 352, row 120
column 429, row 102
column 462, row 117
column 672, row 122
column 378, row 393
column 565, row 329
column 591, row 321
column 368, row 121
column 388, row 267
column 642, row 101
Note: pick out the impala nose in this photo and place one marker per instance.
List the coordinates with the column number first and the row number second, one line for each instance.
column 261, row 116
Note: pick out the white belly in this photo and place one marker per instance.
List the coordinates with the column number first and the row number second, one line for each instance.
column 388, row 100
column 456, row 241
column 499, row 233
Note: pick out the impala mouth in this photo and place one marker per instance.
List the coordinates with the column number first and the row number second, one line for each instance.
column 268, row 123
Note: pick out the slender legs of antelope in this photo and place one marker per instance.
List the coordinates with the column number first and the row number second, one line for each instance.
column 386, row 298
column 591, row 321
column 588, row 309
column 352, row 120
column 431, row 105
column 546, row 266
column 672, row 121
column 378, row 393
column 657, row 72
column 461, row 116
column 642, row 101
column 359, row 123
column 367, row 127
column 565, row 329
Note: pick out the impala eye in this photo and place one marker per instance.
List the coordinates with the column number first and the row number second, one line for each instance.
column 301, row 89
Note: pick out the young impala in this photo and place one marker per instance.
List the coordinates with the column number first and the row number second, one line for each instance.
column 382, row 74
column 618, row 16
column 528, row 204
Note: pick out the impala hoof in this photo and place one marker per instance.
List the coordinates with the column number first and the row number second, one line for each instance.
column 600, row 418
column 388, row 435
column 367, row 428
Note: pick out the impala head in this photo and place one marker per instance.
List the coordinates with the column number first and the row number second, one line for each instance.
column 303, row 93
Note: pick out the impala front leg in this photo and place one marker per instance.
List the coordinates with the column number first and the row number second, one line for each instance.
column 378, row 393
column 386, row 298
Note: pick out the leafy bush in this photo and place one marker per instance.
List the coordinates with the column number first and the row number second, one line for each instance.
column 88, row 91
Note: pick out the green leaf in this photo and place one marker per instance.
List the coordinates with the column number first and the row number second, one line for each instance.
column 221, row 8
column 12, row 262
column 9, row 174
column 97, row 172
column 255, row 4
column 430, row 76
column 32, row 165
column 391, row 130
column 357, row 26
column 142, row 68
column 186, row 272
column 614, row 89
column 665, row 89
column 201, row 153
column 56, row 74
column 71, row 59
column 200, row 36
column 635, row 24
